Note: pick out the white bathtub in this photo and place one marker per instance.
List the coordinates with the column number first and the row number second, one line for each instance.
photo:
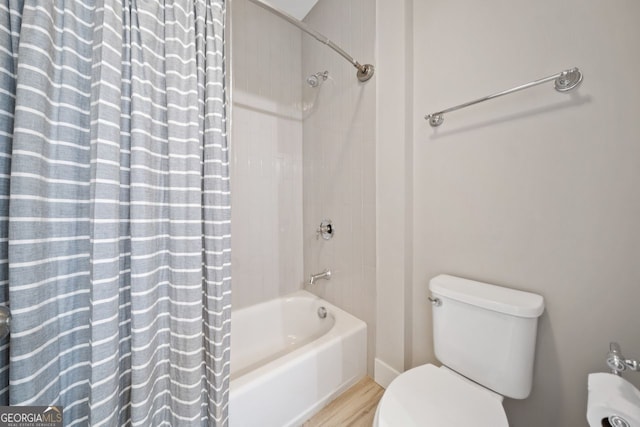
column 287, row 363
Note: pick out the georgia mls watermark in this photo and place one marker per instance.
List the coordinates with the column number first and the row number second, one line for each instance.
column 30, row 416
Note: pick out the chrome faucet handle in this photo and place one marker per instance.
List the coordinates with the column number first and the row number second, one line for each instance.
column 632, row 364
column 325, row 230
column 616, row 361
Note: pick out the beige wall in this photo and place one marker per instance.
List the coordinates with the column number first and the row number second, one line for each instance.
column 537, row 190
column 266, row 149
column 339, row 159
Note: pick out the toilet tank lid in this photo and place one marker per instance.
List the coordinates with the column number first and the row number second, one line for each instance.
column 490, row 297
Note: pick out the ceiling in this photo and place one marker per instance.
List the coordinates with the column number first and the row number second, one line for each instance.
column 295, row 8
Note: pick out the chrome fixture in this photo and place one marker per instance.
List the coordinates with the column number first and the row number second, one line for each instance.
column 616, row 361
column 326, row 230
column 315, row 80
column 322, row 312
column 436, row 302
column 5, row 321
column 326, row 274
column 617, row 421
column 564, row 82
column 365, row 72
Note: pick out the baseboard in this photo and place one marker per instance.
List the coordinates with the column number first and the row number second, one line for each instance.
column 383, row 373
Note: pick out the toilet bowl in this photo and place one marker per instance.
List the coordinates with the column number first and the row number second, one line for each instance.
column 485, row 337
column 430, row 396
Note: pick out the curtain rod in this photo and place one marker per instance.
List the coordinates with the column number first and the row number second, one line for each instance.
column 564, row 82
column 365, row 72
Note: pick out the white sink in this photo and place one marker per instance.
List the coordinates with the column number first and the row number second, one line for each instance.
column 612, row 399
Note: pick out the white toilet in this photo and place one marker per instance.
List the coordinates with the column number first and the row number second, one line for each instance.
column 485, row 336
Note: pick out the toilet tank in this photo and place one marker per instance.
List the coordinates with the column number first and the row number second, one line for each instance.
column 486, row 333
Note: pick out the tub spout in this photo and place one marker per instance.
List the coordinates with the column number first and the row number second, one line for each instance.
column 326, row 274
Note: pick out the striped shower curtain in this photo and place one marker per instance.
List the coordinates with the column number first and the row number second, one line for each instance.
column 114, row 210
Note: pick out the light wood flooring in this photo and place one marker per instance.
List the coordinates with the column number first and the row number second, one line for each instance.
column 353, row 408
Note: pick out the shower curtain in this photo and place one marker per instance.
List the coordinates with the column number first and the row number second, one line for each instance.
column 115, row 210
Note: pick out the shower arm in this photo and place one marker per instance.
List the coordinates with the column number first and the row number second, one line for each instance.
column 365, row 72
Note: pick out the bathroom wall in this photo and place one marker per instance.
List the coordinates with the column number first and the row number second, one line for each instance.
column 339, row 159
column 536, row 191
column 394, row 177
column 266, row 151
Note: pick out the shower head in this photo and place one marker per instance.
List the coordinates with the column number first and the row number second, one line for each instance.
column 315, row 80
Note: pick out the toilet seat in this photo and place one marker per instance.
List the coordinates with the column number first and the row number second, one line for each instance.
column 430, row 396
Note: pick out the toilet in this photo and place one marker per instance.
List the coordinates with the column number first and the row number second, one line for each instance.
column 484, row 335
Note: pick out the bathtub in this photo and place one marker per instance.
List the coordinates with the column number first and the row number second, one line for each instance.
column 287, row 362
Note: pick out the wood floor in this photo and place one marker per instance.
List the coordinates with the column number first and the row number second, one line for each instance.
column 353, row 408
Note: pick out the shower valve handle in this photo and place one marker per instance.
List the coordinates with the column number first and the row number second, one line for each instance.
column 325, row 230
column 616, row 361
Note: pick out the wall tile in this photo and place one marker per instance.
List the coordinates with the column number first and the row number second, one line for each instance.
column 267, row 156
column 335, row 161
